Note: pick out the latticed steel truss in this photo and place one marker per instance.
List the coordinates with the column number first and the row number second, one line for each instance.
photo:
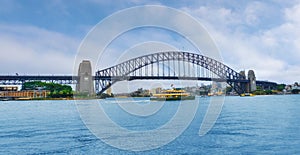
column 132, row 70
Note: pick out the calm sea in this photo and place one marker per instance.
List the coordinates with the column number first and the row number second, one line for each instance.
column 246, row 125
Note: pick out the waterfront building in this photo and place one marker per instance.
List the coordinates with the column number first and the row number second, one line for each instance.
column 28, row 94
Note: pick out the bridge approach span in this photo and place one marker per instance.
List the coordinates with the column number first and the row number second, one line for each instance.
column 20, row 79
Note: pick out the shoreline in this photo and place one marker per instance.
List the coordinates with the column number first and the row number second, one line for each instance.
column 94, row 98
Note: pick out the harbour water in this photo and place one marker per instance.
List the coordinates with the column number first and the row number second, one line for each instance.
column 246, row 125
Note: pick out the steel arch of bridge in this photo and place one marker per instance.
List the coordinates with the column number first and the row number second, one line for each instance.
column 107, row 77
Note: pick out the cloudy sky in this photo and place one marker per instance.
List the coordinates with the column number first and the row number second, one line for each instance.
column 42, row 37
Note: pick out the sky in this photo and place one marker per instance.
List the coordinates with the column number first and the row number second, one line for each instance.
column 43, row 37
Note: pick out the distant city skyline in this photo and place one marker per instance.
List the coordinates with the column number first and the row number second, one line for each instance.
column 42, row 37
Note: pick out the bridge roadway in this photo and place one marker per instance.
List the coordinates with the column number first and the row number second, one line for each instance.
column 130, row 78
column 68, row 79
column 20, row 79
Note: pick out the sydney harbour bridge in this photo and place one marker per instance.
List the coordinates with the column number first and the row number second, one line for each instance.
column 168, row 65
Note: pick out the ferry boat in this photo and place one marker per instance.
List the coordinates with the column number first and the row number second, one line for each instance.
column 247, row 94
column 171, row 95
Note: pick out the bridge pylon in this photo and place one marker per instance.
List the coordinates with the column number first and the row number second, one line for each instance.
column 85, row 78
column 252, row 81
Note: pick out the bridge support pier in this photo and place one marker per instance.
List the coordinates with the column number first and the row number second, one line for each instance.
column 85, row 79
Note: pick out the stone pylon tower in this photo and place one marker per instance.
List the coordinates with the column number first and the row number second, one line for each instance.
column 252, row 79
column 243, row 85
column 85, row 83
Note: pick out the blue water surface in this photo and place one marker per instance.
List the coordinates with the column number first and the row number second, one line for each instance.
column 246, row 125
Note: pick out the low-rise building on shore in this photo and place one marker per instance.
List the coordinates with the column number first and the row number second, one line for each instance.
column 13, row 93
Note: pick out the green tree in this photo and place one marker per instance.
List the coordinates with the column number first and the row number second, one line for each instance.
column 56, row 90
column 280, row 87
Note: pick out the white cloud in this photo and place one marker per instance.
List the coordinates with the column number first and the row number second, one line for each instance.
column 258, row 12
column 245, row 43
column 209, row 15
column 292, row 14
column 32, row 50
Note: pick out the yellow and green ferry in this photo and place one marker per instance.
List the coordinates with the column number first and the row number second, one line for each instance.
column 171, row 95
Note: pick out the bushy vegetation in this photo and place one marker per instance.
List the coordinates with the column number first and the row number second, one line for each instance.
column 260, row 91
column 104, row 95
column 280, row 87
column 140, row 93
column 55, row 90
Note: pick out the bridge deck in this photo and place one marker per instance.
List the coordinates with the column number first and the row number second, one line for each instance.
column 130, row 78
column 8, row 78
